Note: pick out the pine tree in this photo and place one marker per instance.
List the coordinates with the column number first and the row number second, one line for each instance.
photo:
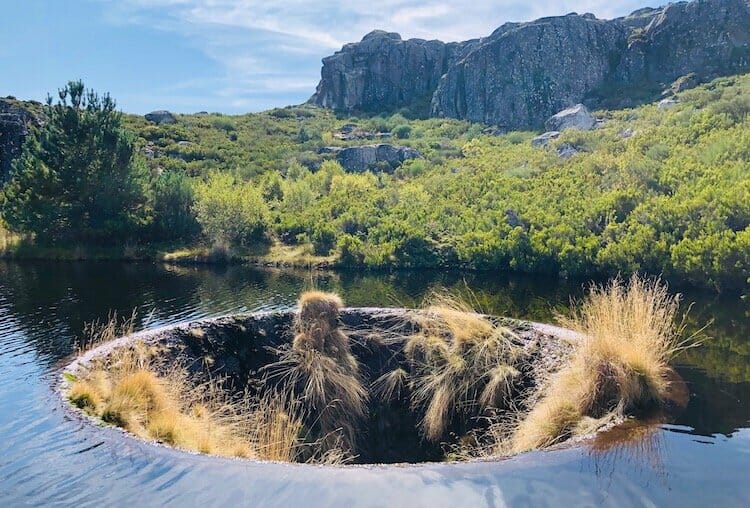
column 78, row 177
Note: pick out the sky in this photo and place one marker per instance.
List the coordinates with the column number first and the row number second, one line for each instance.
column 229, row 56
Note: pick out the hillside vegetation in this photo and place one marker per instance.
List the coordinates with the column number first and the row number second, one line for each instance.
column 662, row 191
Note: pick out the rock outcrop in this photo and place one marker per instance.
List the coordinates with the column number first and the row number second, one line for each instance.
column 544, row 139
column 707, row 38
column 161, row 116
column 667, row 103
column 525, row 72
column 566, row 150
column 15, row 121
column 384, row 72
column 576, row 117
column 351, row 132
column 380, row 157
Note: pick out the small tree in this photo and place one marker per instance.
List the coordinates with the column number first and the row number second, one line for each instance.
column 78, row 177
column 231, row 213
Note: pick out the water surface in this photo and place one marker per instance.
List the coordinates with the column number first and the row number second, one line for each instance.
column 51, row 457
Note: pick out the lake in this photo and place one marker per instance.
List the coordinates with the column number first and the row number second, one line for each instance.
column 50, row 456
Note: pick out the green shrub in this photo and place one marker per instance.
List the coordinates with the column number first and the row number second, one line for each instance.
column 323, row 240
column 223, row 123
column 412, row 168
column 230, row 213
column 350, row 250
column 515, row 138
column 173, row 200
column 402, row 131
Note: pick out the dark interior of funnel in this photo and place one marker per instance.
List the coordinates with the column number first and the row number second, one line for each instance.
column 241, row 348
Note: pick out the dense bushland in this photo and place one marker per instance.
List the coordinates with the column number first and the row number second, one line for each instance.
column 659, row 191
column 662, row 191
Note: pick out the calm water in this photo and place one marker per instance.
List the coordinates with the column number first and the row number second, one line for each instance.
column 50, row 457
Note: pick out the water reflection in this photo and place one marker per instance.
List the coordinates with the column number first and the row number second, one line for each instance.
column 47, row 296
column 639, row 447
column 62, row 297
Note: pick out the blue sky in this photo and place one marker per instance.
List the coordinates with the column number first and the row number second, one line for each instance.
column 232, row 56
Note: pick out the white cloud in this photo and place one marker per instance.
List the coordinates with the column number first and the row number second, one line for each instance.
column 277, row 46
column 329, row 23
column 411, row 14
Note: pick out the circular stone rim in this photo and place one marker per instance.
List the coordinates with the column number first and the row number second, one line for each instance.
column 153, row 335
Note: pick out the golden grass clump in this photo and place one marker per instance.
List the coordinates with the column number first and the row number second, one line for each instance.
column 85, row 396
column 163, row 406
column 275, row 428
column 463, row 363
column 133, row 389
column 317, row 326
column 619, row 366
column 333, row 397
column 320, row 368
column 135, row 398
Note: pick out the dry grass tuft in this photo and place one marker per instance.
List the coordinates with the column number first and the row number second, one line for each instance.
column 135, row 397
column 85, row 396
column 320, row 368
column 142, row 398
column 275, row 427
column 391, row 385
column 98, row 332
column 619, row 367
column 134, row 389
column 317, row 326
column 463, row 363
column 330, row 392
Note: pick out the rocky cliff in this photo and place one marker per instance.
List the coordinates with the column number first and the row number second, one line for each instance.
column 385, row 72
column 523, row 73
column 526, row 74
column 706, row 37
column 15, row 119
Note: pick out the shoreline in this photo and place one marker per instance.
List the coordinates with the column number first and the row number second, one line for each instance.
column 274, row 255
column 279, row 256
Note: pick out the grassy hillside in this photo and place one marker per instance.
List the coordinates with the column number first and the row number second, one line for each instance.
column 663, row 191
column 253, row 144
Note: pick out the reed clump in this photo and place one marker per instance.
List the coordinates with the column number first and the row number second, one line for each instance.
column 619, row 367
column 462, row 364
